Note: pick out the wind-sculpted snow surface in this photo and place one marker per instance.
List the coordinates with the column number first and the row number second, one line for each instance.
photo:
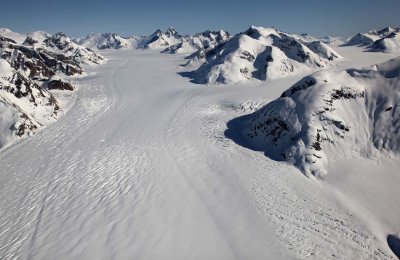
column 328, row 116
column 261, row 53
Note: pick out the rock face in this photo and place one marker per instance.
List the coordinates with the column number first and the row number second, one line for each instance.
column 260, row 53
column 328, row 116
column 385, row 40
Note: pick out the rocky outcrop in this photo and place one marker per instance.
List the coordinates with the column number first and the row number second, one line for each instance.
column 24, row 105
column 59, row 84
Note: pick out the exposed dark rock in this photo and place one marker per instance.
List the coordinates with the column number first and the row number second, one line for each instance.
column 247, row 56
column 60, row 85
column 29, row 41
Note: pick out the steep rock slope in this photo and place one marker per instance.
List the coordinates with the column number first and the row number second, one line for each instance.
column 261, row 53
column 327, row 116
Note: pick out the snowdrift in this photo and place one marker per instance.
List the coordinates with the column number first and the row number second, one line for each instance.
column 327, row 116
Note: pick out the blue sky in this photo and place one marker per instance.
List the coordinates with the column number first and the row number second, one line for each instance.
column 316, row 17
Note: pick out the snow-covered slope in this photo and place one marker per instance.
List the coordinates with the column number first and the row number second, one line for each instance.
column 363, row 39
column 109, row 41
column 24, row 106
column 330, row 115
column 261, row 53
column 306, row 38
column 333, row 40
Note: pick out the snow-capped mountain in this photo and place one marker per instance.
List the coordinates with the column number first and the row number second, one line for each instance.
column 323, row 50
column 388, row 43
column 24, row 106
column 330, row 115
column 307, row 38
column 333, row 40
column 17, row 37
column 363, row 39
column 37, row 63
column 261, row 53
column 109, row 41
column 199, row 42
column 161, row 40
column 32, row 64
column 385, row 40
column 60, row 43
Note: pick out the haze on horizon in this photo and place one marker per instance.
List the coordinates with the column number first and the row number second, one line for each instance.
column 320, row 18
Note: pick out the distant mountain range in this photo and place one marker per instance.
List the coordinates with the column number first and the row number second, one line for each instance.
column 36, row 63
column 384, row 40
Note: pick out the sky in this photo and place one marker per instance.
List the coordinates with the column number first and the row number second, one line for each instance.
column 316, row 17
